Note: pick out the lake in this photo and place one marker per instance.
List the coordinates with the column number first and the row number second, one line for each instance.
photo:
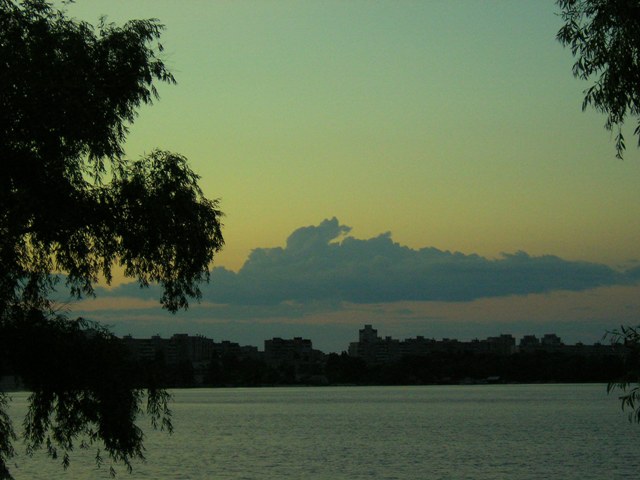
column 426, row 432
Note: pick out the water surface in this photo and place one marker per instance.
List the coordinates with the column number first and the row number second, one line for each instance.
column 431, row 432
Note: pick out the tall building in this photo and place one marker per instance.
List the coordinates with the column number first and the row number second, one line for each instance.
column 367, row 345
column 368, row 334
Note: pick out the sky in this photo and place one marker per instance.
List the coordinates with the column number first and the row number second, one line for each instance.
column 423, row 166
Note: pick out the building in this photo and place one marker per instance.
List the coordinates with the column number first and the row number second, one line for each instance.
column 367, row 345
column 504, row 344
column 295, row 356
column 227, row 348
column 296, row 351
column 376, row 350
column 181, row 347
column 529, row 343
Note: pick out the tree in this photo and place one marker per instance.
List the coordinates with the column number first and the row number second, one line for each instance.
column 72, row 208
column 629, row 382
column 604, row 36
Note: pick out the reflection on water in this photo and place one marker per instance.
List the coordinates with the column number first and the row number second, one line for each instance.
column 434, row 432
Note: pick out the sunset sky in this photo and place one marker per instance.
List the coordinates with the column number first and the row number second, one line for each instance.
column 435, row 152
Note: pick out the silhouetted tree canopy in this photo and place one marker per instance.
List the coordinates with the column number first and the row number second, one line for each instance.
column 629, row 382
column 72, row 204
column 604, row 36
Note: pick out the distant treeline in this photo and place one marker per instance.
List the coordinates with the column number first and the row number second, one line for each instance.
column 434, row 368
column 452, row 368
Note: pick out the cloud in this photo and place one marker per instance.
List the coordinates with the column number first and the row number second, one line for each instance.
column 323, row 264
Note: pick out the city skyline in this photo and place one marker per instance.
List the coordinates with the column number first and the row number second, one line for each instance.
column 454, row 126
column 531, row 339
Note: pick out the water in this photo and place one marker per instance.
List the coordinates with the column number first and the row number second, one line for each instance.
column 432, row 432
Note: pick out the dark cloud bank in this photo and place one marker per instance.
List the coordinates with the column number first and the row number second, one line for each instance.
column 323, row 264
